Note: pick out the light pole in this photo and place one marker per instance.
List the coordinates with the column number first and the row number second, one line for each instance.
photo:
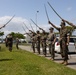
column 36, row 18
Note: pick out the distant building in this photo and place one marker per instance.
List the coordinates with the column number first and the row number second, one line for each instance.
column 28, row 38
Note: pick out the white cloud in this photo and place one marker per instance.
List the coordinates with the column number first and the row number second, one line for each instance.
column 14, row 26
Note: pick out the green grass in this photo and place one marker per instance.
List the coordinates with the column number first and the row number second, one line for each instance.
column 19, row 62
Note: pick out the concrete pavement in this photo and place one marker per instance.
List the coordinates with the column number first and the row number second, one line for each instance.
column 58, row 58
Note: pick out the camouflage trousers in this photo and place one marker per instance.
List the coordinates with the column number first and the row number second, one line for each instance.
column 17, row 46
column 33, row 46
column 44, row 48
column 10, row 46
column 52, row 50
column 64, row 49
column 38, row 46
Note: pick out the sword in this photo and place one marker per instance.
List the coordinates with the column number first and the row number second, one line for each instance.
column 34, row 23
column 32, row 27
column 7, row 22
column 25, row 26
column 37, row 25
column 55, row 11
column 10, row 20
column 46, row 12
column 25, row 31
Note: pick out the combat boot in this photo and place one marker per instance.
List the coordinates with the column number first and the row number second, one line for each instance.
column 52, row 59
column 66, row 62
column 63, row 62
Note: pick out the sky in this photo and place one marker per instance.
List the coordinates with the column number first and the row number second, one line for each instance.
column 24, row 10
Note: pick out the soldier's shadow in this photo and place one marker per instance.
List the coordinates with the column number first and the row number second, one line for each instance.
column 72, row 63
column 58, row 59
column 6, row 59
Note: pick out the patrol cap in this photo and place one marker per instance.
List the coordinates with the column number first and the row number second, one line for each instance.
column 37, row 31
column 51, row 28
column 62, row 23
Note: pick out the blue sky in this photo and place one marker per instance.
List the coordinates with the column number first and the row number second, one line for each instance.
column 27, row 9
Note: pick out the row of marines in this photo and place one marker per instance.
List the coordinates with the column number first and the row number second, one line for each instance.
column 45, row 39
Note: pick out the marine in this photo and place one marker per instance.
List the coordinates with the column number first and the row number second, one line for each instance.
column 63, row 41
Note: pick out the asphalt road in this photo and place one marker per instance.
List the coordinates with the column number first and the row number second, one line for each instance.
column 58, row 58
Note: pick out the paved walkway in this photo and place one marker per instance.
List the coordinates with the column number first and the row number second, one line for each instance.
column 58, row 59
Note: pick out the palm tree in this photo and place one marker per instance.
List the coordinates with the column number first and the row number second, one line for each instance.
column 70, row 29
column 1, row 33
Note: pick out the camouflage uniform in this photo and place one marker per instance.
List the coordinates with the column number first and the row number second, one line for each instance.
column 10, row 42
column 43, row 39
column 51, row 40
column 70, row 24
column 63, row 46
column 38, row 37
column 17, row 42
column 6, row 42
column 63, row 41
column 33, row 42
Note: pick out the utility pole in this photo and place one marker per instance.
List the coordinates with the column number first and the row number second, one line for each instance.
column 36, row 18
